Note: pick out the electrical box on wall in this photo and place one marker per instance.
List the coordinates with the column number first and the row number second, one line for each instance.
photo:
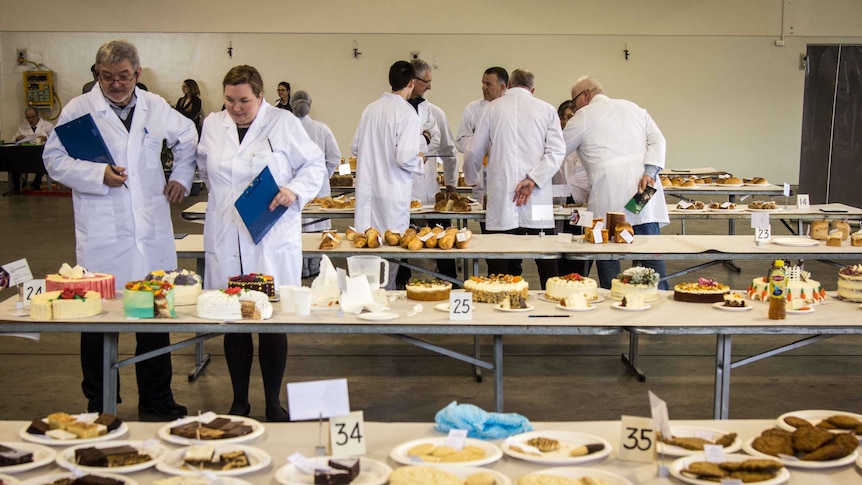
column 39, row 89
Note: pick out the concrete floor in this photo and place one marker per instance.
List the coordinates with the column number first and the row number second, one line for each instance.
column 547, row 378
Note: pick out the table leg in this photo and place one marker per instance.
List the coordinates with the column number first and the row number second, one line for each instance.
column 201, row 360
column 723, row 363
column 498, row 373
column 477, row 353
column 631, row 360
column 110, row 379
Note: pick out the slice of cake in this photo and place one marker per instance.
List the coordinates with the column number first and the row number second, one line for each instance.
column 234, row 304
column 200, row 456
column 703, row 291
column 350, row 465
column 11, row 456
column 633, row 300
column 187, row 284
column 850, row 283
column 148, row 299
column 433, row 290
column 558, row 288
column 257, row 282
column 576, row 300
column 635, row 280
column 734, row 300
column 79, row 278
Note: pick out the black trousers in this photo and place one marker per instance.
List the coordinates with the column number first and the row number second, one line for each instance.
column 153, row 375
column 546, row 267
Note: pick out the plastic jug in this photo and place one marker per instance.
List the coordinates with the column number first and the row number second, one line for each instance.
column 369, row 266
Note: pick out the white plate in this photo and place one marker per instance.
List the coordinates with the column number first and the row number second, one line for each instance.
column 47, row 479
column 682, row 463
column 66, row 458
column 8, row 479
column 749, row 209
column 813, row 416
column 696, row 431
column 399, row 453
column 729, row 185
column 47, row 440
column 571, row 309
column 619, row 306
column 443, row 307
column 810, row 309
column 541, row 296
column 737, row 209
column 371, row 472
column 568, row 440
column 746, row 447
column 798, row 241
column 579, row 472
column 42, row 455
column 683, row 211
column 377, row 316
column 465, row 471
column 720, row 306
column 173, row 463
column 528, row 308
column 256, row 430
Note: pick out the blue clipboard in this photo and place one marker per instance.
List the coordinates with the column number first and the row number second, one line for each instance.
column 253, row 205
column 83, row 140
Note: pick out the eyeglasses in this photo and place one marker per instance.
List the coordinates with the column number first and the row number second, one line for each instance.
column 579, row 95
column 124, row 78
column 426, row 81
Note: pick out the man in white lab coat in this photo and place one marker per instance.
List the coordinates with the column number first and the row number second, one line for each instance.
column 386, row 146
column 622, row 150
column 122, row 211
column 494, row 84
column 36, row 130
column 522, row 136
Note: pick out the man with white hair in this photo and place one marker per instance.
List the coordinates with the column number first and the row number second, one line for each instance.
column 622, row 151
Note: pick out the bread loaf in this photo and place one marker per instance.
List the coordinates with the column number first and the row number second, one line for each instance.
column 447, row 241
column 351, row 233
column 462, row 238
column 392, row 237
column 415, row 244
column 621, row 228
column 843, row 227
column 819, row 230
column 360, row 241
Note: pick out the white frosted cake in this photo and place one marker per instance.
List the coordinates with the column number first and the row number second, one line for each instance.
column 66, row 304
column 635, row 280
column 850, row 283
column 187, row 284
column 234, row 304
column 575, row 300
column 558, row 288
column 496, row 288
column 800, row 286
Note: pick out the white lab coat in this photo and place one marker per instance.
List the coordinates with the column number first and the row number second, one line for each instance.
column 425, row 185
column 615, row 139
column 446, row 155
column 464, row 140
column 522, row 134
column 576, row 178
column 125, row 231
column 43, row 128
column 275, row 139
column 322, row 136
column 387, row 156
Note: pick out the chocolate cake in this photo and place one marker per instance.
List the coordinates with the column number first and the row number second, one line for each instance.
column 109, row 421
column 331, row 477
column 11, row 456
column 37, row 426
column 350, row 465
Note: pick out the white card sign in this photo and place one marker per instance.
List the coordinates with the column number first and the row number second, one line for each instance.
column 714, row 453
column 15, row 273
column 660, row 416
column 759, row 219
column 802, row 201
column 31, row 289
column 786, row 189
column 586, row 219
column 637, row 439
column 317, row 399
column 598, row 237
column 456, row 439
column 543, row 212
column 347, row 434
column 763, row 234
column 344, row 169
column 460, row 305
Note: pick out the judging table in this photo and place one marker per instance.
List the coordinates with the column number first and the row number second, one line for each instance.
column 24, row 158
column 280, row 440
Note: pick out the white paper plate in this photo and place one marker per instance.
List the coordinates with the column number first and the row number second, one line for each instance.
column 528, row 308
column 696, row 431
column 813, row 416
column 619, row 306
column 399, row 453
column 541, row 296
column 377, row 316
column 720, row 306
column 682, row 463
column 684, row 211
column 8, row 479
column 47, row 440
column 66, row 458
column 257, row 429
column 749, row 209
column 42, row 455
column 735, row 210
column 371, row 472
column 571, row 309
column 809, row 309
column 798, row 241
column 173, row 463
column 46, row 479
column 443, row 307
column 579, row 472
column 746, row 447
column 568, row 440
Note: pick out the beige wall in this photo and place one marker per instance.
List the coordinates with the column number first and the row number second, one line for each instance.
column 708, row 71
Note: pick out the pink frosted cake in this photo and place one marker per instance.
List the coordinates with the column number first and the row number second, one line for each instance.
column 78, row 278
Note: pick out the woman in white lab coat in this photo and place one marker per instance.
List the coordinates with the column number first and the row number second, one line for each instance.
column 236, row 144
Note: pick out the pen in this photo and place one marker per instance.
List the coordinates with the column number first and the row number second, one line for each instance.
column 548, row 316
column 114, row 169
column 270, row 144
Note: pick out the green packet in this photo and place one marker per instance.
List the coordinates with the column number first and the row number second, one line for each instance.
column 637, row 203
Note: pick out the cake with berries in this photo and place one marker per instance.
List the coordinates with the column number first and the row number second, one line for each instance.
column 257, row 282
column 558, row 288
column 636, row 279
column 496, row 288
column 148, row 299
column 187, row 284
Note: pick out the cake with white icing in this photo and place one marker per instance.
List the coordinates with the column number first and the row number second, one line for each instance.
column 558, row 288
column 800, row 286
column 234, row 304
column 66, row 304
column 78, row 278
column 636, row 279
column 850, row 283
column 187, row 284
column 434, row 290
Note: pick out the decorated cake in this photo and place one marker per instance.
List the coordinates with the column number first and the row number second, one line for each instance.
column 434, row 290
column 234, row 304
column 78, row 278
column 257, row 282
column 637, row 279
column 496, row 288
column 850, row 283
column 148, row 299
column 558, row 288
column 62, row 305
column 734, row 300
column 800, row 286
column 187, row 284
column 703, row 291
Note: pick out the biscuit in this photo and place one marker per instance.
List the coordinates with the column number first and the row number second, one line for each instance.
column 705, row 469
column 546, row 479
column 423, row 449
column 796, row 422
column 726, row 440
column 482, row 478
column 843, row 422
column 423, row 475
column 544, row 444
column 773, row 445
column 809, row 438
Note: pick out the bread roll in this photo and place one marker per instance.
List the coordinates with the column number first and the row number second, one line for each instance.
column 415, row 244
column 373, row 236
column 856, row 239
column 360, row 241
column 843, row 227
column 621, row 228
column 462, row 238
column 392, row 237
column 665, row 182
column 819, row 230
column 447, row 241
column 422, row 232
column 406, row 238
column 351, row 233
column 733, row 181
column 461, row 205
column 689, row 183
column 431, row 242
column 329, row 241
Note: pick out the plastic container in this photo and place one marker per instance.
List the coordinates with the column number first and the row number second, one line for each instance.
column 777, row 291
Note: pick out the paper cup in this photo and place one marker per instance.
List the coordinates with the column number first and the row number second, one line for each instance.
column 285, row 293
column 302, row 300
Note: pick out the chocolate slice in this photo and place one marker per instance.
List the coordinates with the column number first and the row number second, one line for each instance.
column 331, row 477
column 37, row 426
column 350, row 465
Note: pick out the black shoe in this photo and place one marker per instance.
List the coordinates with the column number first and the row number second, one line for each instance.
column 94, row 406
column 166, row 410
column 277, row 414
column 240, row 409
column 35, row 187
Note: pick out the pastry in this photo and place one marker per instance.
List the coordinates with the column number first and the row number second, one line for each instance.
column 360, row 241
column 392, row 238
column 834, row 239
column 843, row 227
column 351, row 233
column 373, row 237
